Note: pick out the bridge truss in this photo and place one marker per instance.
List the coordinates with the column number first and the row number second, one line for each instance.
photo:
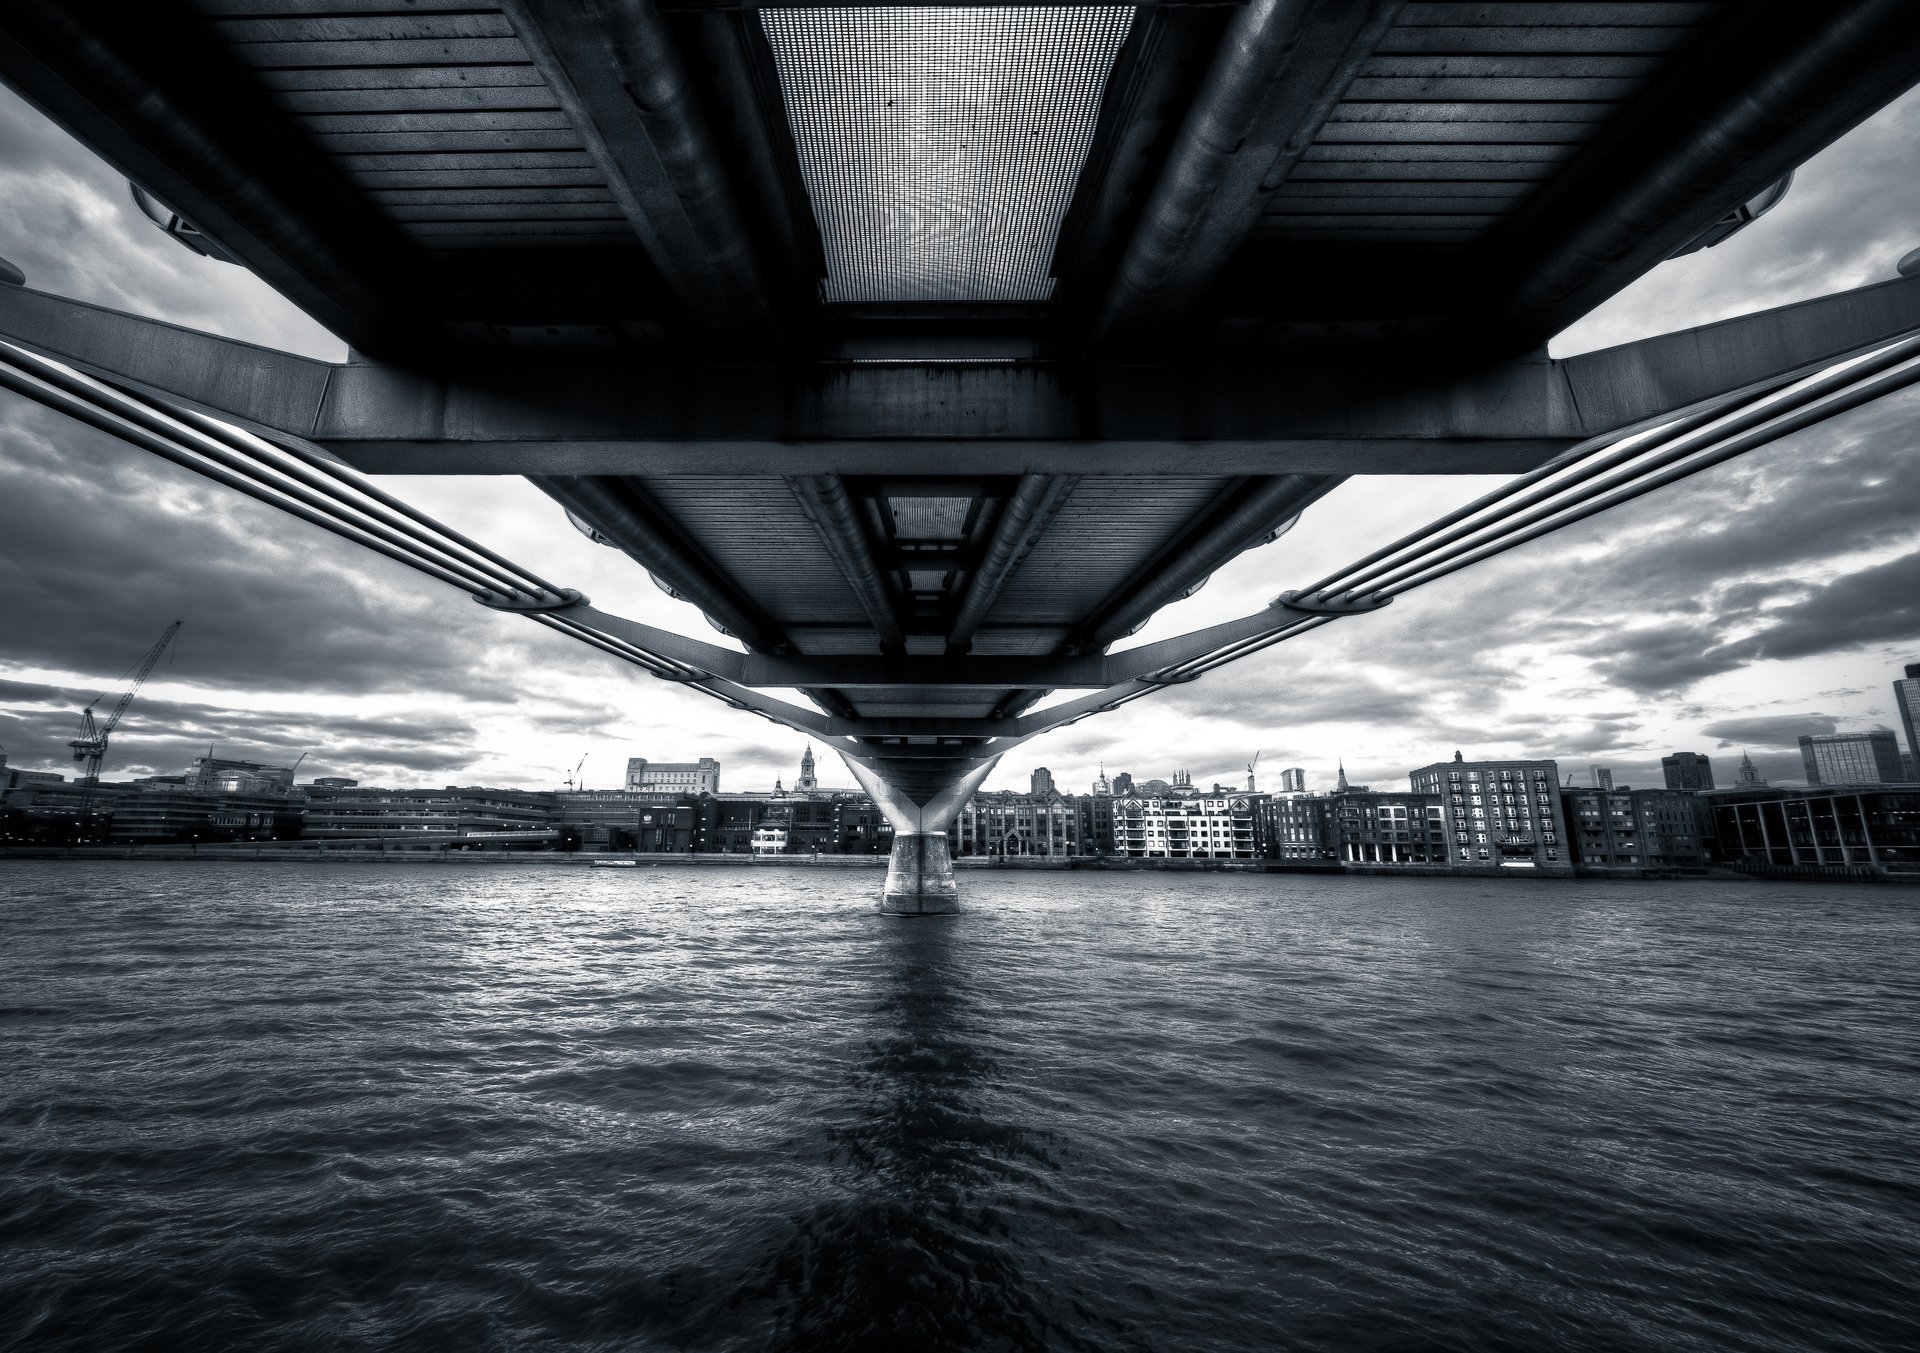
column 863, row 328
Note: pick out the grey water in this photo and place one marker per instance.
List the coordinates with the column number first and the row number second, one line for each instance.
column 291, row 1106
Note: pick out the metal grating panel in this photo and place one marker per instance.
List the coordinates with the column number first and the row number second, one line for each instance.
column 940, row 146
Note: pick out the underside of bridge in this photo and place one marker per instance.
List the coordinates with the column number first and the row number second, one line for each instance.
column 929, row 351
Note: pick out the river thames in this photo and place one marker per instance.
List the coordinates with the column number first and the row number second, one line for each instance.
column 334, row 1105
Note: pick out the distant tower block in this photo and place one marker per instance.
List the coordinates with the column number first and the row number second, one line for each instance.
column 1293, row 780
column 1041, row 782
column 1687, row 770
column 1602, row 777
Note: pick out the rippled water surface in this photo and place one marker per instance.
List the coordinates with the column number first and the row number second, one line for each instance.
column 335, row 1105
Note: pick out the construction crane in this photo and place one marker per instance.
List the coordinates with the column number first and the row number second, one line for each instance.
column 90, row 748
column 576, row 771
column 1250, row 765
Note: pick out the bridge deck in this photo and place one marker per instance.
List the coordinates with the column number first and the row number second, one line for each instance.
column 741, row 287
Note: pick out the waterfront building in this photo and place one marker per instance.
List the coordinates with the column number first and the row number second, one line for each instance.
column 341, row 813
column 1868, row 824
column 15, row 777
column 1005, row 823
column 731, row 821
column 45, row 807
column 1851, row 758
column 612, row 819
column 1364, row 827
column 1687, row 770
column 680, row 777
column 221, row 775
column 1293, row 780
column 169, row 816
column 1197, row 828
column 1906, row 705
column 1634, row 828
column 1504, row 813
column 769, row 838
column 1093, row 818
column 1296, row 826
column 333, row 782
column 860, row 828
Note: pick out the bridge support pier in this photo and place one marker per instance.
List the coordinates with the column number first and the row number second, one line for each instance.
column 920, row 876
column 921, row 798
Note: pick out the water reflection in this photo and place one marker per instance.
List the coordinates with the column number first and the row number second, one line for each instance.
column 912, row 1249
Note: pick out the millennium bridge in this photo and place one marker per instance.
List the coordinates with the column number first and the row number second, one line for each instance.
column 929, row 351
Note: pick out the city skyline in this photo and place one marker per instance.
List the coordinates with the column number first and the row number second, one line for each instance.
column 1772, row 598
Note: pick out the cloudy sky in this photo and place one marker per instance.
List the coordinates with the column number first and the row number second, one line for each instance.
column 1774, row 596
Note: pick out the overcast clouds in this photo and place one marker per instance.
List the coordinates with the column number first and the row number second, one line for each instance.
column 1776, row 595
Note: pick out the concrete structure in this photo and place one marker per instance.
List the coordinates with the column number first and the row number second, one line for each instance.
column 1906, row 704
column 1293, row 780
column 1853, row 825
column 922, row 477
column 1686, row 770
column 1500, row 813
column 1851, row 758
column 673, row 777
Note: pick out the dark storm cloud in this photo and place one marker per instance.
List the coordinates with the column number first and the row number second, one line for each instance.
column 1312, row 693
column 1769, row 732
column 1874, row 606
column 160, row 736
column 105, row 546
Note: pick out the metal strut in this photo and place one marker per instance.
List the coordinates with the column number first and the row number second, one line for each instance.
column 1601, row 473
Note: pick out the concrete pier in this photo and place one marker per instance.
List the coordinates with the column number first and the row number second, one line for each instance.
column 920, row 874
column 920, row 877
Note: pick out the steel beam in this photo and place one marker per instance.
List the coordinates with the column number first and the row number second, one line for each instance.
column 852, row 672
column 955, row 418
column 1280, row 69
column 624, row 85
column 1256, row 511
column 644, row 535
column 193, row 128
column 1023, row 520
column 836, row 521
column 1775, row 85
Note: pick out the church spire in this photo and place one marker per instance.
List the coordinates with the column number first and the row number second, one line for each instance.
column 1341, row 786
